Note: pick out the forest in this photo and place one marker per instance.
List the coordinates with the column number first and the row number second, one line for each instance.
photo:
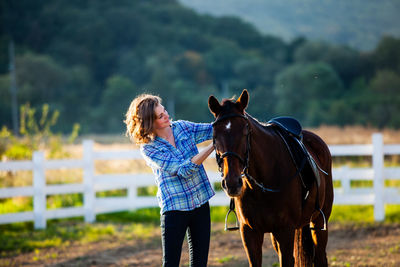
column 89, row 59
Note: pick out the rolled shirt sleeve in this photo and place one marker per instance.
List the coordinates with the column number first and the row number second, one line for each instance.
column 165, row 161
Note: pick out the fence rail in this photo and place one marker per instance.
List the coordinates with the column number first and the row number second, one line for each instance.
column 378, row 195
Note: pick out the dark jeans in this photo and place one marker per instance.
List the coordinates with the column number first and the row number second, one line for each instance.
column 173, row 228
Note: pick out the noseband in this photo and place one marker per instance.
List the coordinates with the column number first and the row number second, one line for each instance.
column 245, row 161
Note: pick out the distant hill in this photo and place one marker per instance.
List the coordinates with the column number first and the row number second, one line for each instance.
column 357, row 23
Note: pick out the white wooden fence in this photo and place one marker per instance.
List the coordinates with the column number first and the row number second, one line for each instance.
column 378, row 196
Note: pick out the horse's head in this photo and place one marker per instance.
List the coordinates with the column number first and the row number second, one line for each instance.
column 231, row 140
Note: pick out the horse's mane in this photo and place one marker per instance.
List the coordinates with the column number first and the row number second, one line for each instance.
column 231, row 102
column 261, row 124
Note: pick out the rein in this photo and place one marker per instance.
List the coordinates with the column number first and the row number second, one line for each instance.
column 245, row 161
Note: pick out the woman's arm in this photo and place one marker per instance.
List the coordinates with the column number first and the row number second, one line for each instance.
column 199, row 158
column 200, row 131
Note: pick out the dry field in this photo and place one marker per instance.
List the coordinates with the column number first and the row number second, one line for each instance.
column 333, row 135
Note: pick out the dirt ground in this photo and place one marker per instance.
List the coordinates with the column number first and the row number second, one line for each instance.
column 349, row 245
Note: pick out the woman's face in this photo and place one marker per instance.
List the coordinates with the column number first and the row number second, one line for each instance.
column 162, row 118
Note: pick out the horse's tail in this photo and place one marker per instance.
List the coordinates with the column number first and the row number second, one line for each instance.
column 304, row 247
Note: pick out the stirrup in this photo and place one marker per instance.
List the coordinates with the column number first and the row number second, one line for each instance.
column 234, row 228
column 231, row 209
column 323, row 216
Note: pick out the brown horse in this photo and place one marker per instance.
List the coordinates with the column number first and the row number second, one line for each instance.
column 258, row 172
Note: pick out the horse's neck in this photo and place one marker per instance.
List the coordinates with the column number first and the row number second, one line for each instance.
column 263, row 134
column 264, row 144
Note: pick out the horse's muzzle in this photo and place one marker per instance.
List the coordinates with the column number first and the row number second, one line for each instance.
column 232, row 187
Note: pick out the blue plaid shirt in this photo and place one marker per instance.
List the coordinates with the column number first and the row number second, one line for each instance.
column 182, row 184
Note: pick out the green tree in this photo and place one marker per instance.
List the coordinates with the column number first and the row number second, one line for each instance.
column 385, row 99
column 306, row 91
column 109, row 115
column 191, row 66
column 221, row 58
column 39, row 78
column 347, row 62
column 387, row 54
column 191, row 102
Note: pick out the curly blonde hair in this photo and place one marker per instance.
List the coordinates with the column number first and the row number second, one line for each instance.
column 140, row 117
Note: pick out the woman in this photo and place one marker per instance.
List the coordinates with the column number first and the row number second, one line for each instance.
column 169, row 148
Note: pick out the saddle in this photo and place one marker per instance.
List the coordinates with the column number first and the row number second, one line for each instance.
column 290, row 130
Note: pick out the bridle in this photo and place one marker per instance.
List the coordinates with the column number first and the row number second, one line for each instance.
column 244, row 161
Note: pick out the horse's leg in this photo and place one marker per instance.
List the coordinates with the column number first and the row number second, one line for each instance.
column 320, row 238
column 274, row 243
column 252, row 242
column 284, row 239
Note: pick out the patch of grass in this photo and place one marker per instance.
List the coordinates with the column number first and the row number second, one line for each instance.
column 363, row 213
column 351, row 161
column 352, row 213
column 395, row 249
column 95, row 232
column 392, row 213
column 147, row 215
column 16, row 204
column 64, row 201
column 218, row 214
column 20, row 238
column 337, row 183
column 217, row 186
column 40, row 256
column 392, row 183
column 226, row 259
column 112, row 193
column 139, row 230
column 361, row 184
column 15, row 239
column 147, row 191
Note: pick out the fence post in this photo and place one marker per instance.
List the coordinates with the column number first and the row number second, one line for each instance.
column 132, row 196
column 88, row 182
column 377, row 164
column 345, row 180
column 39, row 196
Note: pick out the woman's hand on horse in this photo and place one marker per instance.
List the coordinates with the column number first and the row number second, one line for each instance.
column 203, row 155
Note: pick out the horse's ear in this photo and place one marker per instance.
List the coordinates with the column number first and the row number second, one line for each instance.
column 243, row 100
column 214, row 105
